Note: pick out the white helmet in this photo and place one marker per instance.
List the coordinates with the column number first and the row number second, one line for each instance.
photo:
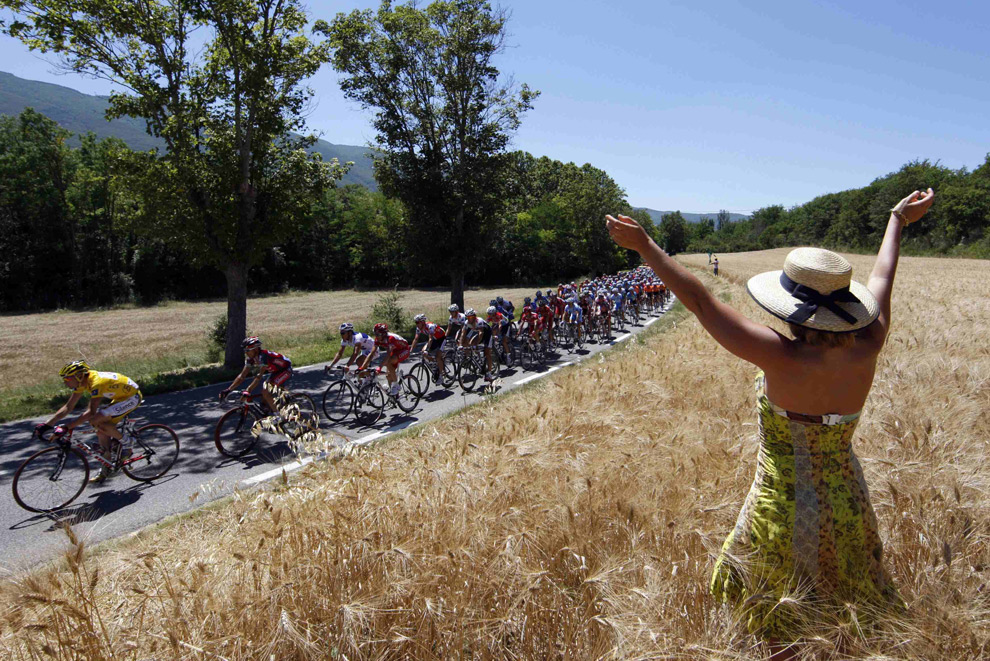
column 453, row 308
column 492, row 309
column 419, row 317
column 470, row 313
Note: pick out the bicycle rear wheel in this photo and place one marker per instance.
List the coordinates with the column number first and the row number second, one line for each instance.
column 408, row 396
column 50, row 479
column 423, row 379
column 369, row 404
column 338, row 400
column 471, row 371
column 156, row 447
column 233, row 435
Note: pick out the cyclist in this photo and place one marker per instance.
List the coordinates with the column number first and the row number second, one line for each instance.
column 481, row 333
column 363, row 344
column 602, row 308
column 506, row 307
column 546, row 317
column 574, row 314
column 455, row 325
column 277, row 366
column 112, row 397
column 529, row 321
column 436, row 335
column 500, row 325
column 398, row 351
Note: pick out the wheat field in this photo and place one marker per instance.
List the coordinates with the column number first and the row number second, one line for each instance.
column 573, row 519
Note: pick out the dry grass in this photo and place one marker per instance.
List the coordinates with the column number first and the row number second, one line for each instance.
column 173, row 335
column 572, row 520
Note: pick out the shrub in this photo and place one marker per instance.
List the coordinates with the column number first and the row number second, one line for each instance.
column 216, row 338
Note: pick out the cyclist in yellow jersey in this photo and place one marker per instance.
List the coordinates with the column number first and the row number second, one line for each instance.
column 112, row 398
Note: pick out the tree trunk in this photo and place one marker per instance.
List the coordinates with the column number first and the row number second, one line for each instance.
column 236, row 314
column 457, row 288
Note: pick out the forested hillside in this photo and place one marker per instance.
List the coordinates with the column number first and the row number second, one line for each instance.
column 81, row 113
column 854, row 220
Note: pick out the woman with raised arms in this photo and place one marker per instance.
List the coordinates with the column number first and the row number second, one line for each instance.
column 806, row 542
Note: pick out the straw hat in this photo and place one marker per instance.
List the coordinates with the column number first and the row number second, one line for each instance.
column 815, row 290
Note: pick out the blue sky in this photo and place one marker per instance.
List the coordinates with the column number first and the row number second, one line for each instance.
column 699, row 106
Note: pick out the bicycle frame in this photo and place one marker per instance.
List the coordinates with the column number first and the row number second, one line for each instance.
column 88, row 451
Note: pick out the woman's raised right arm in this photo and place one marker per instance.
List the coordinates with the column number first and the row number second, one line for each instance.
column 881, row 282
column 745, row 338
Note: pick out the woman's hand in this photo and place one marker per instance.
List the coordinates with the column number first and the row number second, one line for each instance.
column 914, row 206
column 627, row 233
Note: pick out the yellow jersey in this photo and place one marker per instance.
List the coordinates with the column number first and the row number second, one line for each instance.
column 108, row 385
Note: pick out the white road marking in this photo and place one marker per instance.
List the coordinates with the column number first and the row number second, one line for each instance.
column 275, row 472
column 371, row 437
column 541, row 374
column 624, row 337
column 652, row 320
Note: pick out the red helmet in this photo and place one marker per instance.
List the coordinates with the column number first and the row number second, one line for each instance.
column 250, row 342
column 381, row 329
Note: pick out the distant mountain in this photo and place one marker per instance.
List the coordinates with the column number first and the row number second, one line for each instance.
column 82, row 113
column 692, row 217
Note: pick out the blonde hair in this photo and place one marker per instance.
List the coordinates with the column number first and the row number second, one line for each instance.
column 821, row 338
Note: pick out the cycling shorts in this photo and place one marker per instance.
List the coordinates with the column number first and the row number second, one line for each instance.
column 435, row 344
column 399, row 357
column 117, row 411
column 486, row 336
column 279, row 378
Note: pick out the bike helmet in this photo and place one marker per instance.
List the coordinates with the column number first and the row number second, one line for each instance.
column 381, row 329
column 470, row 313
column 499, row 300
column 492, row 309
column 419, row 317
column 493, row 302
column 345, row 327
column 527, row 300
column 76, row 367
column 453, row 308
column 250, row 342
column 539, row 293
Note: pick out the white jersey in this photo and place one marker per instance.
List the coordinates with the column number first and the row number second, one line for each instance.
column 361, row 340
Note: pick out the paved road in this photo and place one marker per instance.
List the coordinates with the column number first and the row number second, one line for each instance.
column 120, row 505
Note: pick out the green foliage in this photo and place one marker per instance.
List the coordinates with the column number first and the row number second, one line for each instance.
column 443, row 118
column 673, row 233
column 855, row 220
column 388, row 310
column 216, row 338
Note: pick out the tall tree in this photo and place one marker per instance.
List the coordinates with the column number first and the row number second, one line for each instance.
column 233, row 179
column 723, row 219
column 674, row 232
column 444, row 116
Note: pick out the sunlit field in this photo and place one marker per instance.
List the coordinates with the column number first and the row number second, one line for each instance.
column 572, row 519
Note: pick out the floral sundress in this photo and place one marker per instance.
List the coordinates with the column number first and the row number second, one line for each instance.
column 806, row 539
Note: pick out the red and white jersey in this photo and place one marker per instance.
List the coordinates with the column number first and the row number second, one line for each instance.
column 395, row 343
column 272, row 362
column 434, row 331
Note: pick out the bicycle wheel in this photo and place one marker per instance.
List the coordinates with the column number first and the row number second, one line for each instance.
column 421, row 373
column 471, row 371
column 449, row 375
column 156, row 447
column 307, row 405
column 527, row 360
column 408, row 396
column 578, row 337
column 50, row 479
column 369, row 404
column 338, row 400
column 233, row 435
